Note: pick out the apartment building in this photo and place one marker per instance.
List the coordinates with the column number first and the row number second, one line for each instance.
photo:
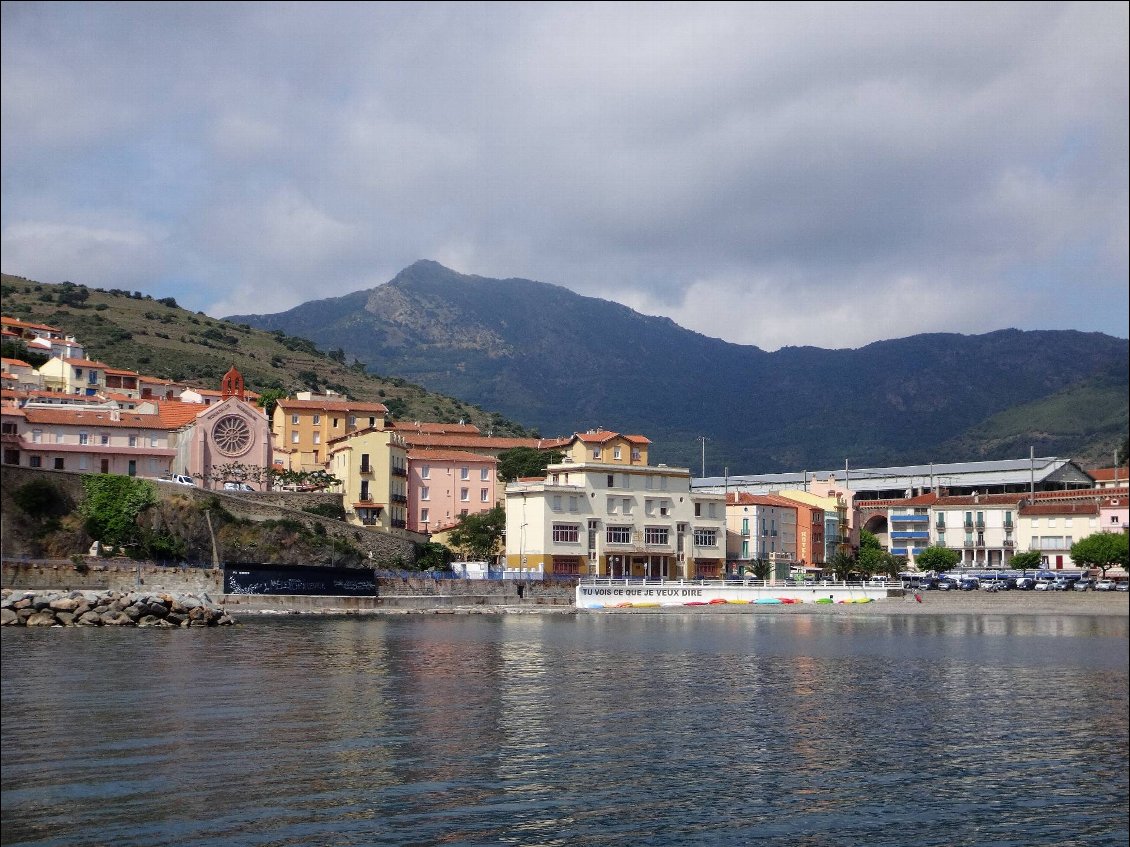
column 304, row 427
column 74, row 376
column 445, row 485
column 982, row 527
column 1050, row 528
column 759, row 526
column 615, row 520
column 92, row 440
column 372, row 465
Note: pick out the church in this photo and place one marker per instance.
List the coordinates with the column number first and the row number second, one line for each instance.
column 228, row 441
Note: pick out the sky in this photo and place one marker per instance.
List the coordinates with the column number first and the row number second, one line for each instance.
column 794, row 174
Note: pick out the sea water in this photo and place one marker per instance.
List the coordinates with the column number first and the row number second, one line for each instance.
column 586, row 729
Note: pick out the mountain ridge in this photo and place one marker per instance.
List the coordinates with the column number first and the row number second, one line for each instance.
column 550, row 358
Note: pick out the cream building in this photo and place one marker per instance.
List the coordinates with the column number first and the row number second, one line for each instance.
column 616, row 518
column 983, row 528
column 1051, row 528
column 74, row 376
column 760, row 526
column 372, row 465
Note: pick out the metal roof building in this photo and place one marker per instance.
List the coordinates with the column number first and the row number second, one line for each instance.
column 1004, row 476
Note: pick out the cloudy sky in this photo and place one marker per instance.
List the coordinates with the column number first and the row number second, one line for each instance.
column 823, row 174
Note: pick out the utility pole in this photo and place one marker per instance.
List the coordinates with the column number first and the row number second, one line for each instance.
column 702, row 438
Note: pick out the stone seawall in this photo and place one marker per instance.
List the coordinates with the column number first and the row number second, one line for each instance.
column 108, row 608
column 91, row 574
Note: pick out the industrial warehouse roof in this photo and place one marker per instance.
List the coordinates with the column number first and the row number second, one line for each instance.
column 1010, row 474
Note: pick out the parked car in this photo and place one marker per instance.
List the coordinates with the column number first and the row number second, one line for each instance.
column 182, row 479
column 237, row 486
column 1104, row 585
column 947, row 584
column 1122, row 585
column 1042, row 585
column 969, row 585
column 1084, row 584
column 1025, row 583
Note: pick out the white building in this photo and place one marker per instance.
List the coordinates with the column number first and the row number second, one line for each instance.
column 615, row 520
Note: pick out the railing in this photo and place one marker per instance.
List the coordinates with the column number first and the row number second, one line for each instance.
column 366, row 469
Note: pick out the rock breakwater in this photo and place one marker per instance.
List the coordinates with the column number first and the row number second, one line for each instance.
column 109, row 608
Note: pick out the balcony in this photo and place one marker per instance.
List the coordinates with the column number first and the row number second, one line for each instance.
column 1008, row 544
column 919, row 533
column 398, row 498
column 398, row 523
column 909, row 519
column 366, row 469
column 398, row 471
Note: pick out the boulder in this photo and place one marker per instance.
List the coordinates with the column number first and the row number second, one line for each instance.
column 116, row 619
column 65, row 618
column 63, row 604
column 90, row 618
column 41, row 619
column 8, row 617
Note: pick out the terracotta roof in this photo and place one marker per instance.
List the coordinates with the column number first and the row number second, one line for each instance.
column 483, row 442
column 744, row 498
column 174, row 414
column 1057, row 509
column 120, row 372
column 86, row 363
column 436, row 428
column 637, row 439
column 423, row 455
column 981, row 500
column 1103, row 474
column 598, row 437
column 28, row 325
column 18, row 362
column 333, row 406
column 93, row 417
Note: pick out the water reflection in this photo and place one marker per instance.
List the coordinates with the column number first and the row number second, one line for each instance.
column 666, row 729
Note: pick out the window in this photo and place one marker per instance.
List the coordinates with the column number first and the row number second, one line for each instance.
column 364, row 489
column 294, row 419
column 636, row 454
column 36, row 438
column 336, row 422
column 484, row 495
column 464, row 473
column 83, row 462
column 698, row 510
column 566, row 533
column 84, row 438
column 294, row 438
column 372, row 421
column 153, row 441
column 34, row 462
column 705, row 537
column 1035, row 523
column 648, row 507
column 616, row 453
column 611, row 480
column 1051, row 522
column 104, row 439
column 464, row 495
column 627, row 504
column 573, row 507
column 745, row 526
column 425, row 471
column 425, row 493
column 317, row 420
column 596, row 453
column 611, row 504
column 484, row 474
column 555, row 503
column 655, row 535
column 59, row 463
column 133, row 441
column 618, row 535
column 649, row 482
column 317, row 438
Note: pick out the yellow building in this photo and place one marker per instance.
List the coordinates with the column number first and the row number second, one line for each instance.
column 304, row 427
column 74, row 376
column 372, row 465
column 610, row 448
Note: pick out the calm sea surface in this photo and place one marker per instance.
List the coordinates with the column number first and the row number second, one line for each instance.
column 789, row 729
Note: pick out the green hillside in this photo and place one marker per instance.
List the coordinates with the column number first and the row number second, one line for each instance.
column 130, row 330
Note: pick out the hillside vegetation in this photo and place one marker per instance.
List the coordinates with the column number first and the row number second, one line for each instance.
column 130, row 330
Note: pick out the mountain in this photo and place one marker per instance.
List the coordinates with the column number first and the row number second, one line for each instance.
column 158, row 338
column 560, row 362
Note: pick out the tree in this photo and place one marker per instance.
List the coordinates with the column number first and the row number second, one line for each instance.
column 842, row 565
column 525, row 461
column 1028, row 560
column 938, row 559
column 478, row 536
column 269, row 398
column 112, row 506
column 760, row 568
column 1102, row 550
column 1124, row 451
column 433, row 556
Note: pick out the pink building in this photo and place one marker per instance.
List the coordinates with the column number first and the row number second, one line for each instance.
column 443, row 485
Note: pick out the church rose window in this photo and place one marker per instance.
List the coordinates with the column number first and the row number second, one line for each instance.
column 232, row 435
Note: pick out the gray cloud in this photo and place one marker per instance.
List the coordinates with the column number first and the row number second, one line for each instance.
column 770, row 174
